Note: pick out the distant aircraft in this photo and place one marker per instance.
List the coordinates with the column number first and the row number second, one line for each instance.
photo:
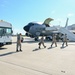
column 36, row 29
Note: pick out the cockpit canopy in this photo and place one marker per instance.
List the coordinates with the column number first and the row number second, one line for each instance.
column 27, row 27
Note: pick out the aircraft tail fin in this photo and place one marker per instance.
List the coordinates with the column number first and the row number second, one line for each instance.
column 66, row 22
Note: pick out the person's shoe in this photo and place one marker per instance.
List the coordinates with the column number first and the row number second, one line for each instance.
column 17, row 51
column 39, row 47
column 51, row 46
column 44, row 46
column 20, row 50
column 62, row 46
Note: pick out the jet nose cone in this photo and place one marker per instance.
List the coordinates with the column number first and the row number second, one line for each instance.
column 26, row 28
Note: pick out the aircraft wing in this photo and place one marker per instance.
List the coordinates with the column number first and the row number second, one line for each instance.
column 47, row 21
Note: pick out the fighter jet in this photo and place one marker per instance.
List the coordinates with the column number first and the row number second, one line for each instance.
column 36, row 29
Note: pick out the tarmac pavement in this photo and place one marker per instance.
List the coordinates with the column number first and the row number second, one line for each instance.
column 34, row 61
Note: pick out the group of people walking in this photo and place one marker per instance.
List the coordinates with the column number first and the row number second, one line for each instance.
column 54, row 41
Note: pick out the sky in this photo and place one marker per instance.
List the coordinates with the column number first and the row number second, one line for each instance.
column 20, row 12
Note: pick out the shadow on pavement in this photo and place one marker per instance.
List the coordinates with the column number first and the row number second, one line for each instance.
column 63, row 47
column 38, row 49
column 3, row 48
column 51, row 47
column 7, row 53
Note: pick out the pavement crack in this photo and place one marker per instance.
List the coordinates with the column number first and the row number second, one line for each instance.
column 25, row 67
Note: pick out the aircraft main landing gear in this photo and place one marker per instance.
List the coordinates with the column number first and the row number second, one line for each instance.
column 36, row 39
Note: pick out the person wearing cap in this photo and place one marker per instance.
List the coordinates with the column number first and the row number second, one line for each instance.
column 64, row 40
column 19, row 38
column 42, row 42
column 54, row 40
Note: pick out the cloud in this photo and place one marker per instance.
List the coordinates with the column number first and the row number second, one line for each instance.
column 53, row 12
column 70, row 15
column 58, row 19
column 15, row 31
column 4, row 3
column 58, row 22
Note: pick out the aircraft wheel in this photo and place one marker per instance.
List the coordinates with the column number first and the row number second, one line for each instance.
column 48, row 38
column 36, row 38
column 1, row 44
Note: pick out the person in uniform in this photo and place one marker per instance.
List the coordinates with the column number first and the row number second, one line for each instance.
column 64, row 40
column 42, row 42
column 19, row 38
column 54, row 40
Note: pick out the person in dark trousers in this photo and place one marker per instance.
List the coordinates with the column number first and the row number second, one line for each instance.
column 64, row 40
column 19, row 38
column 42, row 42
column 54, row 40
